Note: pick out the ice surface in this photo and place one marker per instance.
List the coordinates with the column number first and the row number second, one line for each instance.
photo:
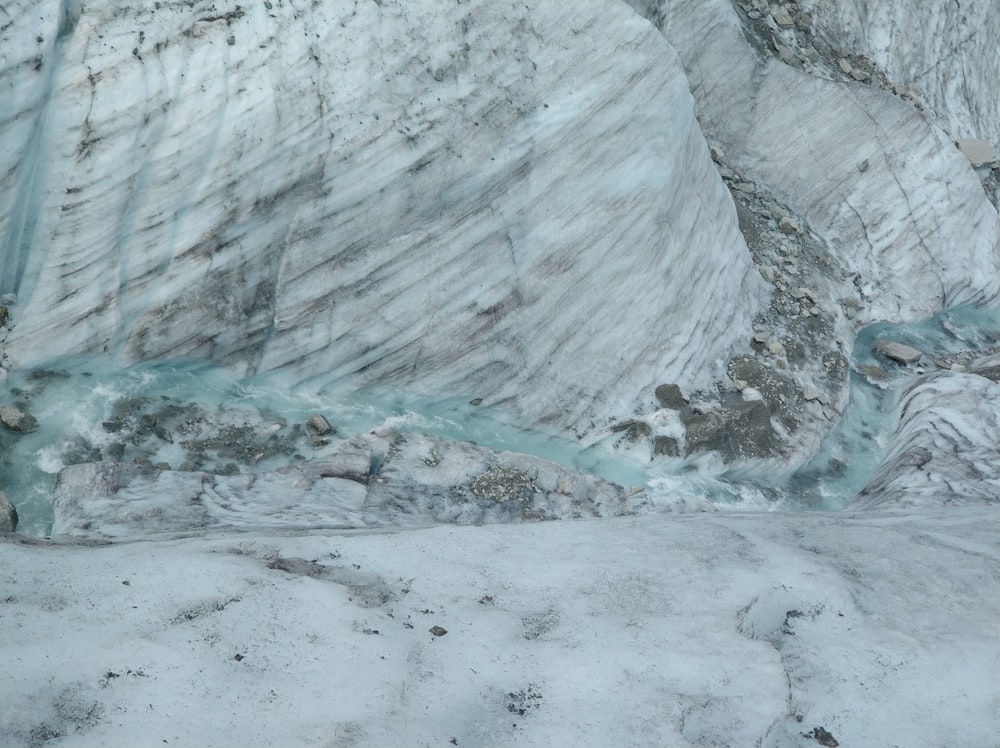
column 651, row 631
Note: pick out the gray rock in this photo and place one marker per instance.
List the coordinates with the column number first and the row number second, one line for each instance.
column 987, row 366
column 670, row 396
column 666, row 445
column 781, row 17
column 811, row 393
column 788, row 225
column 633, row 430
column 904, row 354
column 18, row 419
column 739, row 430
column 318, row 425
column 802, row 293
column 979, row 152
column 779, row 392
column 8, row 514
column 786, row 55
column 503, row 483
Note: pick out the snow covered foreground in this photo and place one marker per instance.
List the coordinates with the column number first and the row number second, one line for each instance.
column 864, row 629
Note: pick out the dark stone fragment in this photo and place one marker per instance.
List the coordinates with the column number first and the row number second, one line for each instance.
column 8, row 514
column 666, row 445
column 669, row 396
column 821, row 736
column 633, row 430
column 318, row 425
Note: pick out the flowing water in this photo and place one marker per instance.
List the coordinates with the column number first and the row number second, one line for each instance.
column 189, row 415
column 853, row 449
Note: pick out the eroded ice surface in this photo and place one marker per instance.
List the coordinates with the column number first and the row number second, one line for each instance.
column 195, row 416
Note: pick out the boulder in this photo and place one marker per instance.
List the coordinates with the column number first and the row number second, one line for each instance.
column 318, row 425
column 898, row 352
column 670, row 396
column 18, row 419
column 979, row 152
column 738, row 430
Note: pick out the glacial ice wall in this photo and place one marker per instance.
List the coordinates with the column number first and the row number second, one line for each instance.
column 946, row 53
column 486, row 199
column 867, row 171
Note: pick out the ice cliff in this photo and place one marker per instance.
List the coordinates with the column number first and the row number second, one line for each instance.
column 660, row 224
column 446, row 197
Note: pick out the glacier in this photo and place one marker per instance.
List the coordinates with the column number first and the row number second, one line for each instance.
column 587, row 300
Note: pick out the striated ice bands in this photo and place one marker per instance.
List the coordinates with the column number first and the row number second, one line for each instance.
column 484, row 199
column 945, row 450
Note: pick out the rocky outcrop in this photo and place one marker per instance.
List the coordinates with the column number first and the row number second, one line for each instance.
column 383, row 479
column 444, row 197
